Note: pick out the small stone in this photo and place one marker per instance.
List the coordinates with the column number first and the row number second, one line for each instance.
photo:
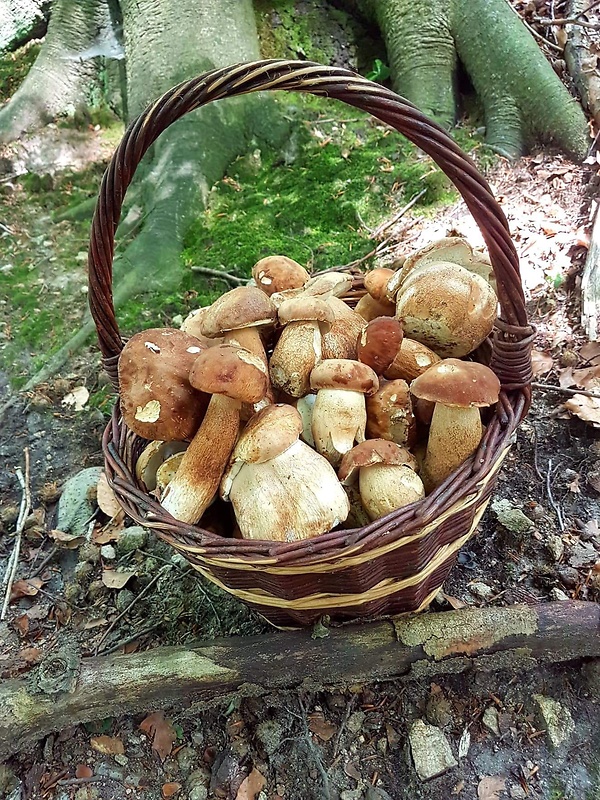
column 569, row 577
column 556, row 547
column 124, row 599
column 558, row 594
column 89, row 552
column 556, row 719
column 198, row 793
column 199, row 777
column 430, row 750
column 356, row 721
column 511, row 517
column 107, row 551
column 517, row 792
column 352, row 794
column 121, row 759
column 377, row 793
column 180, row 561
column 269, row 733
column 131, row 539
column 490, row 720
column 439, row 709
column 583, row 555
column 87, row 793
column 78, row 502
column 481, row 590
column 186, row 758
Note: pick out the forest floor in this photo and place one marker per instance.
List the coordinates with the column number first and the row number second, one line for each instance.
column 352, row 742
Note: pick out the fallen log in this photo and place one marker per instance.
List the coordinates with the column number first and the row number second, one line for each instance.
column 65, row 690
column 590, row 286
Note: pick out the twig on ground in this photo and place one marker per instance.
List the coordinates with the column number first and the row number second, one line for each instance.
column 376, row 251
column 349, row 708
column 547, row 23
column 533, row 32
column 228, row 277
column 379, row 230
column 551, row 388
column 551, row 500
column 25, row 507
column 139, row 596
column 363, row 223
column 535, row 454
column 49, row 556
column 314, row 751
column 113, row 648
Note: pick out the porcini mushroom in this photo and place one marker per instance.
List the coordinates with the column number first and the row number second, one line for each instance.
column 279, row 273
column 453, row 249
column 386, row 477
column 339, row 414
column 390, row 415
column 157, row 400
column 192, row 324
column 458, row 389
column 376, row 283
column 151, row 458
column 233, row 376
column 446, row 307
column 379, row 342
column 411, row 360
column 340, row 340
column 280, row 488
column 299, row 347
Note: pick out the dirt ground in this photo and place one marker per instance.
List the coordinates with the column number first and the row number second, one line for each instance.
column 350, row 742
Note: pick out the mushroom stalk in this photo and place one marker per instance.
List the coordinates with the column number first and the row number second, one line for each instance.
column 296, row 353
column 454, row 435
column 248, row 338
column 204, row 460
column 338, row 422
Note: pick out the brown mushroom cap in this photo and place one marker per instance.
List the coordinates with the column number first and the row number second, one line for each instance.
column 230, row 371
column 278, row 273
column 243, row 307
column 412, row 360
column 390, row 415
column 268, row 434
column 344, row 374
column 458, row 384
column 376, row 282
column 307, row 309
column 373, row 451
column 379, row 343
column 369, row 308
column 454, row 249
column 340, row 340
column 192, row 325
column 157, row 399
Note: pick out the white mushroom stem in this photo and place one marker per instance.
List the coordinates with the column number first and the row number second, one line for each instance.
column 338, row 422
column 197, row 480
column 454, row 435
column 292, row 496
column 385, row 487
column 295, row 355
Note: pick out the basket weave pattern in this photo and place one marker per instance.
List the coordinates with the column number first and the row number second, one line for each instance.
column 396, row 563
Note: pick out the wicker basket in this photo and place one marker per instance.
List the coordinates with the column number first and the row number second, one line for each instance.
column 398, row 563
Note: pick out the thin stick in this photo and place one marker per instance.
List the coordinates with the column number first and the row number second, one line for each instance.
column 533, row 32
column 144, row 591
column 49, row 556
column 549, row 387
column 11, row 569
column 349, row 708
column 378, row 231
column 113, row 648
column 547, row 23
column 383, row 245
column 551, row 499
column 228, row 277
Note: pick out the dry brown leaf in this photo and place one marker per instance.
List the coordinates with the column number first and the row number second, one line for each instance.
column 69, row 540
column 251, row 786
column 454, row 601
column 541, row 363
column 106, row 497
column 114, row 579
column 83, row 771
column 319, row 725
column 591, row 352
column 392, row 736
column 25, row 588
column 162, row 733
column 107, row 745
column 352, row 771
column 586, row 408
column 22, row 624
column 111, row 531
column 171, row 789
column 31, row 655
column 565, row 378
column 587, row 378
column 77, row 398
column 490, row 787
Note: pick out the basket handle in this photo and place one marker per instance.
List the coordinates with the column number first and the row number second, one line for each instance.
column 512, row 337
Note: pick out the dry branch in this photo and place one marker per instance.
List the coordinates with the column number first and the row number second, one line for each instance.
column 65, row 690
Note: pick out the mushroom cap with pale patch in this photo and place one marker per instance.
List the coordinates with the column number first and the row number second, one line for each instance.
column 370, row 452
column 307, row 309
column 231, row 371
column 279, row 273
column 459, row 384
column 243, row 307
column 157, row 400
column 379, row 343
column 345, row 375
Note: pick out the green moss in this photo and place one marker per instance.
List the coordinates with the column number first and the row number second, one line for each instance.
column 14, row 67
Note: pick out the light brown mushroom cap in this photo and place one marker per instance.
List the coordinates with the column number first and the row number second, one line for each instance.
column 376, row 282
column 278, row 273
column 230, row 371
column 192, row 324
column 328, row 284
column 390, row 414
column 454, row 249
column 307, row 309
column 151, row 458
column 157, row 400
column 379, row 343
column 369, row 452
column 242, row 307
column 458, row 384
column 369, row 308
column 340, row 340
column 268, row 434
column 412, row 360
column 344, row 374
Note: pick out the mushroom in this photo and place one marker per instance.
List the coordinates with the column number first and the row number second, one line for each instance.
column 389, row 414
column 339, row 414
column 157, row 400
column 326, row 284
column 166, row 472
column 411, row 360
column 453, row 249
column 446, row 307
column 279, row 487
column 299, row 347
column 233, row 376
column 340, row 340
column 192, row 324
column 458, row 389
column 379, row 343
column 151, row 458
column 368, row 308
column 305, row 406
column 278, row 273
column 386, row 476
column 376, row 283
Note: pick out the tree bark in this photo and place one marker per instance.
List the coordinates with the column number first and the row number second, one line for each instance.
column 581, row 57
column 590, row 286
column 22, row 21
column 63, row 691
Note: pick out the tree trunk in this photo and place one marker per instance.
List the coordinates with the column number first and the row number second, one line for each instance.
column 21, row 21
column 64, row 74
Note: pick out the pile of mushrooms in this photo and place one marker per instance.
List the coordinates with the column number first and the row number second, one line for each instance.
column 304, row 413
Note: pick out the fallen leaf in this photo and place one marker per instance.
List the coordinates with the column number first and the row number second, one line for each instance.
column 574, row 485
column 111, row 531
column 69, row 540
column 83, row 771
column 107, row 745
column 541, row 363
column 321, row 727
column 171, row 789
column 459, row 787
column 586, row 408
column 392, row 736
column 352, row 771
column 587, row 378
column 591, row 352
column 565, row 378
column 22, row 624
column 489, row 788
column 251, row 786
column 26, row 588
column 94, row 623
column 31, row 655
column 106, row 497
column 464, row 743
column 454, row 601
column 114, row 579
column 76, row 398
column 162, row 733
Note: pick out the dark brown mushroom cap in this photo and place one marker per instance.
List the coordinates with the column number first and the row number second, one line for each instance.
column 373, row 451
column 376, row 282
column 344, row 374
column 157, row 399
column 243, row 307
column 268, row 434
column 278, row 273
column 379, row 342
column 461, row 384
column 307, row 309
column 231, row 371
